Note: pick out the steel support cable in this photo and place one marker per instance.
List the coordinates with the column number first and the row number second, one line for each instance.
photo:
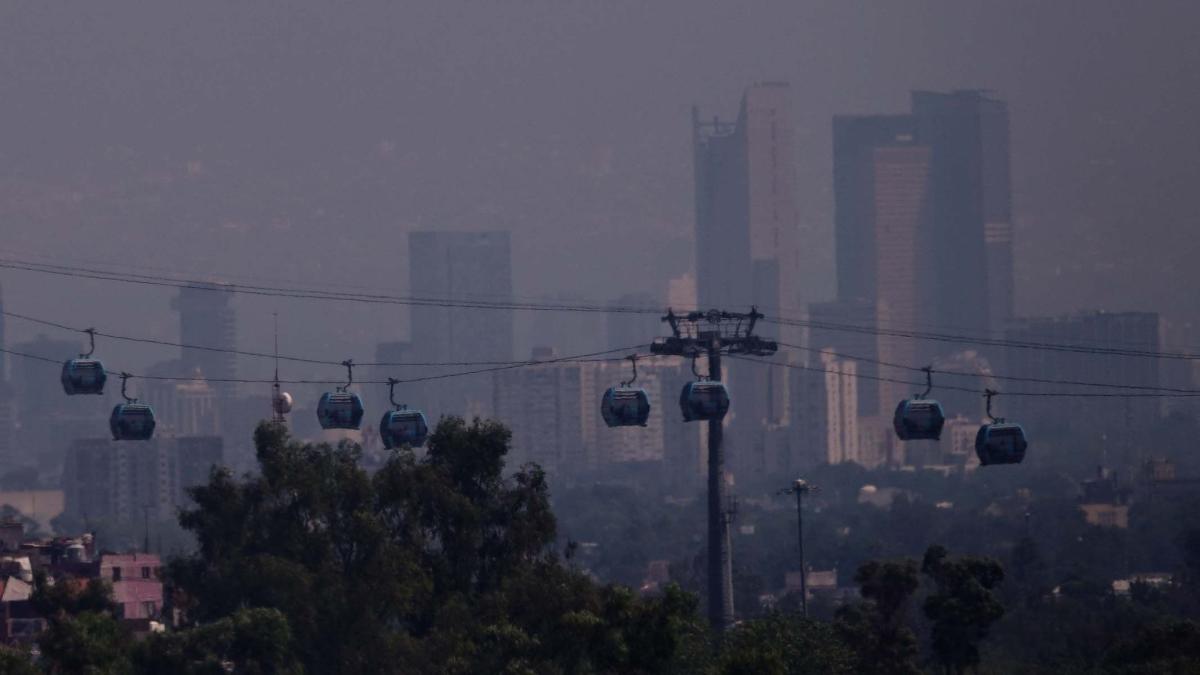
column 1067, row 394
column 1009, row 378
column 449, row 303
column 223, row 350
column 580, row 358
column 314, row 294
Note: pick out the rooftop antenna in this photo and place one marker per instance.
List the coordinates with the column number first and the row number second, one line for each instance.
column 281, row 401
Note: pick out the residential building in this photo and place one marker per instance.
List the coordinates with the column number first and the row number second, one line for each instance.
column 1111, row 423
column 182, row 407
column 846, row 328
column 543, row 407
column 825, row 419
column 553, row 411
column 124, row 481
column 456, row 267
column 1105, row 502
column 631, row 329
column 136, row 580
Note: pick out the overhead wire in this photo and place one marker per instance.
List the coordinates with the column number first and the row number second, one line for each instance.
column 502, row 365
column 1009, row 378
column 316, row 294
column 990, row 342
column 577, row 358
column 553, row 302
column 1063, row 394
column 240, row 352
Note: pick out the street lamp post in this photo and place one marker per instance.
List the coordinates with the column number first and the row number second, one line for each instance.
column 799, row 488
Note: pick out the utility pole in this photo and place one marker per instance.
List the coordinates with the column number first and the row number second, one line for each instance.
column 711, row 333
column 801, row 487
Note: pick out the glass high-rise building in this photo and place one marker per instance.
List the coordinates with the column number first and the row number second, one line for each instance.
column 923, row 219
column 455, row 267
column 747, row 247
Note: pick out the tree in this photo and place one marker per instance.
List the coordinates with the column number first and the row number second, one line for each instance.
column 877, row 629
column 14, row 661
column 252, row 641
column 89, row 642
column 439, row 564
column 784, row 644
column 1028, row 572
column 82, row 635
column 963, row 607
column 1168, row 646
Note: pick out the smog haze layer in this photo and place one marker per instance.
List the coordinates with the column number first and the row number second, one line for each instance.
column 300, row 143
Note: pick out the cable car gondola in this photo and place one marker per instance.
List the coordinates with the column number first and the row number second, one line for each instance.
column 131, row 421
column 84, row 375
column 703, row 400
column 341, row 409
column 626, row 405
column 999, row 442
column 920, row 418
column 402, row 426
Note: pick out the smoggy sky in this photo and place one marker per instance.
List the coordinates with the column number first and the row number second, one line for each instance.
column 300, row 142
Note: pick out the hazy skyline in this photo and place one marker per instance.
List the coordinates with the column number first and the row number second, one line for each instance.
column 194, row 138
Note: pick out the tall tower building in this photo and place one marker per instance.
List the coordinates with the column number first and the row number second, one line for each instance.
column 207, row 319
column 971, row 222
column 923, row 221
column 460, row 266
column 3, row 356
column 7, row 415
column 747, row 248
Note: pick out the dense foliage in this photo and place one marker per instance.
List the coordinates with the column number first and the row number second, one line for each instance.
column 448, row 562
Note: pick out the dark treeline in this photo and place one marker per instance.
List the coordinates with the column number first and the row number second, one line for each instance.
column 449, row 563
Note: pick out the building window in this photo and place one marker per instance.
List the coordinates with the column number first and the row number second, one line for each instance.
column 145, row 572
column 116, row 575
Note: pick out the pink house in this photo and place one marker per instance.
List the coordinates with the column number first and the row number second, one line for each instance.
column 136, row 583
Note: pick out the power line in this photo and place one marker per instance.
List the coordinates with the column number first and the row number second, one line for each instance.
column 543, row 301
column 578, row 358
column 1064, row 394
column 314, row 294
column 990, row 342
column 239, row 352
column 1009, row 378
column 292, row 282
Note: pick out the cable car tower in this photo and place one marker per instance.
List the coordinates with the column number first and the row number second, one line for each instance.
column 712, row 333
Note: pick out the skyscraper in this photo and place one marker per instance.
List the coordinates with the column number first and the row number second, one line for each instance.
column 460, row 266
column 971, row 214
column 747, row 248
column 206, row 319
column 7, row 415
column 3, row 356
column 923, row 222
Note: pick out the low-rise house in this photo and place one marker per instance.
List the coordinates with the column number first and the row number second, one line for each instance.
column 136, row 582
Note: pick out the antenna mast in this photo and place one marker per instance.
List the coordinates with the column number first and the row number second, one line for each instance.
column 281, row 403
